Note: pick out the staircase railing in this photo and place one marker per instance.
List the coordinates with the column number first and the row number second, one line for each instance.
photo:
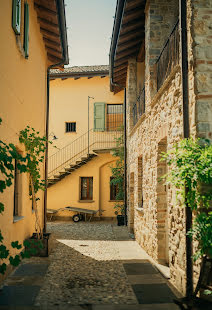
column 79, row 148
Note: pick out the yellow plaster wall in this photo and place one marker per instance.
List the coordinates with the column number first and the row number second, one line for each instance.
column 66, row 192
column 22, row 103
column 69, row 103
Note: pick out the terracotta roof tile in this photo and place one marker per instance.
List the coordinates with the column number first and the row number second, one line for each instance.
column 81, row 69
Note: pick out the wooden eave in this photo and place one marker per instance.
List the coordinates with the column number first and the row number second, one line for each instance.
column 49, row 26
column 130, row 42
column 78, row 75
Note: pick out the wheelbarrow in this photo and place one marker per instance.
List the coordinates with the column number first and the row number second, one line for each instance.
column 80, row 213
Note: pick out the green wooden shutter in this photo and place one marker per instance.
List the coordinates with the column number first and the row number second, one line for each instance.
column 26, row 29
column 99, row 116
column 16, row 16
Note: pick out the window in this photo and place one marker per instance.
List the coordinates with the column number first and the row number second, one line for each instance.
column 17, row 191
column 86, row 188
column 107, row 116
column 20, row 25
column 114, row 116
column 99, row 116
column 71, row 127
column 113, row 189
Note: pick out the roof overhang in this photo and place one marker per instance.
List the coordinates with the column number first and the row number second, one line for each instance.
column 127, row 39
column 52, row 19
column 55, row 74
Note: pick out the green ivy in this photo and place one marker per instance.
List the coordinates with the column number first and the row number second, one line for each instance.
column 35, row 149
column 118, row 172
column 191, row 174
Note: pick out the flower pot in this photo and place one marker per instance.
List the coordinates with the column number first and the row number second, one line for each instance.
column 120, row 220
column 38, row 247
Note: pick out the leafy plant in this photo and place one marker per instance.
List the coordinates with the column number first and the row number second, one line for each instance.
column 35, row 148
column 119, row 208
column 191, row 173
column 118, row 172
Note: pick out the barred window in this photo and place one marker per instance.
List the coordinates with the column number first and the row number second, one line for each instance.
column 70, row 126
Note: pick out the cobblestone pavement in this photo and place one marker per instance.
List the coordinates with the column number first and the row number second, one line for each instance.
column 85, row 267
column 93, row 266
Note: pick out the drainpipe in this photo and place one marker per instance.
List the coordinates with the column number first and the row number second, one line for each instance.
column 125, row 155
column 116, row 31
column 185, row 93
column 64, row 61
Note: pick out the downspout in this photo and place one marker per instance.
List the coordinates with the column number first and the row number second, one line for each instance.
column 116, row 30
column 63, row 38
column 185, row 93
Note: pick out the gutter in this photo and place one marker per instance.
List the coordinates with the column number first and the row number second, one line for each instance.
column 185, row 93
column 64, row 61
column 115, row 35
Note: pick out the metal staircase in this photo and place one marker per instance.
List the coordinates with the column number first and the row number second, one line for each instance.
column 79, row 152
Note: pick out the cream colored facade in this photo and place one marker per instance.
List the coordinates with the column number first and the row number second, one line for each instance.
column 23, row 93
column 69, row 103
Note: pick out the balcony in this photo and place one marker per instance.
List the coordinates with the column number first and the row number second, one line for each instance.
column 169, row 56
column 139, row 106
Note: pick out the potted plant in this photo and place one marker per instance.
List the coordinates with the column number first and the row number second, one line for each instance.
column 120, row 213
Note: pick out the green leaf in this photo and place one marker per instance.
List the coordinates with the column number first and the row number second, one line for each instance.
column 16, row 245
column 15, row 261
column 3, row 268
column 1, row 208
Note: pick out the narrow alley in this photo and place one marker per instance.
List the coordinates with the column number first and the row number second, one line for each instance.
column 91, row 266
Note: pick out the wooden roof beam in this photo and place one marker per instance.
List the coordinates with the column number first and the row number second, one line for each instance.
column 132, row 35
column 53, row 58
column 127, row 52
column 133, row 14
column 49, row 4
column 49, row 33
column 120, row 67
column 53, row 52
column 120, row 73
column 124, row 59
column 137, row 23
column 127, row 45
column 52, row 42
column 131, row 4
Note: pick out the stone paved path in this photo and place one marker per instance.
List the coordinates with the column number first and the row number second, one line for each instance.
column 92, row 266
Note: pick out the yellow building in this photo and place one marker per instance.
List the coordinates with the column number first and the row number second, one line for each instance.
column 30, row 32
column 79, row 166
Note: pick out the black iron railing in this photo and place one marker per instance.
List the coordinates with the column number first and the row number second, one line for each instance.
column 81, row 147
column 135, row 113
column 139, row 106
column 169, row 56
column 141, row 102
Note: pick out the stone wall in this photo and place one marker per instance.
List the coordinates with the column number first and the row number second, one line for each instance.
column 162, row 122
column 201, row 37
column 159, row 220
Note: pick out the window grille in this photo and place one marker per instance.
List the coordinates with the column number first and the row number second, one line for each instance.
column 71, row 127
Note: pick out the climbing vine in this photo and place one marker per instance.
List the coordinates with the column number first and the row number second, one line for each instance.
column 191, row 174
column 30, row 163
column 118, row 172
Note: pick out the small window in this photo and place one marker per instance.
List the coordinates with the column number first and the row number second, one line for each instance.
column 71, row 127
column 86, row 188
column 17, row 191
column 114, row 116
column 113, row 190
